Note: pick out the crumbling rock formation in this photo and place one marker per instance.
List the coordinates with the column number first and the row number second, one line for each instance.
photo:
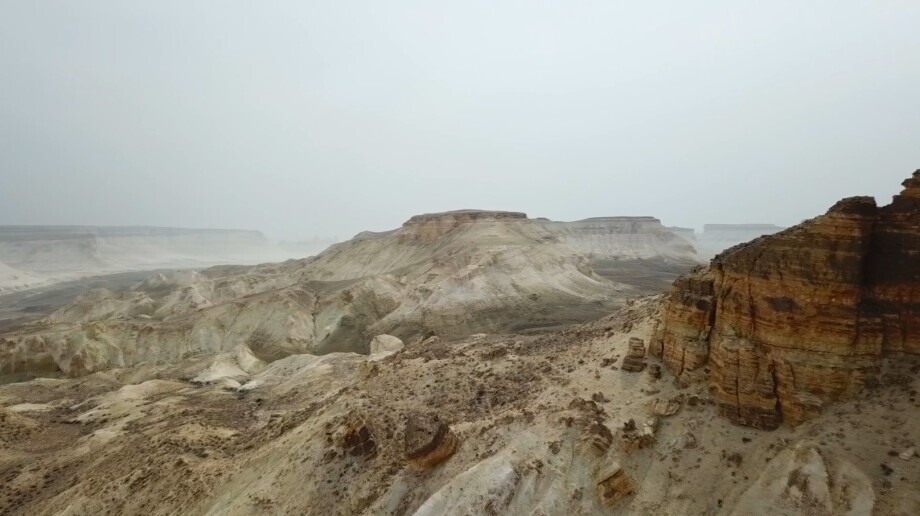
column 792, row 321
column 633, row 438
column 635, row 357
column 614, row 485
column 600, row 437
column 429, row 441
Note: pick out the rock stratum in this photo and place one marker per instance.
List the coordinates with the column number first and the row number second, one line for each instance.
column 452, row 274
column 634, row 250
column 788, row 323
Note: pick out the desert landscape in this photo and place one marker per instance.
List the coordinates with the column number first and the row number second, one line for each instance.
column 475, row 362
column 39, row 256
column 480, row 258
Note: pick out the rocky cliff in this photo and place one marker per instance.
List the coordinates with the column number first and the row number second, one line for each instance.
column 431, row 226
column 787, row 323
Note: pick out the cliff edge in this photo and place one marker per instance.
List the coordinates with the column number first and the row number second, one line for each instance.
column 790, row 322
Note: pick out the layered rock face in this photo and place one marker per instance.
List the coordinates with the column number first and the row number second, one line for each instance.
column 431, row 226
column 622, row 237
column 635, row 250
column 790, row 322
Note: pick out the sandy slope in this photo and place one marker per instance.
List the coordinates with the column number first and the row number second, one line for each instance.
column 539, row 422
column 12, row 279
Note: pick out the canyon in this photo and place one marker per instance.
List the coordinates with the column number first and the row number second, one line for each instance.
column 483, row 362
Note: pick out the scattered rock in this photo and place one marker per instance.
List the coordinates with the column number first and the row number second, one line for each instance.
column 633, row 438
column 664, row 408
column 600, row 437
column 614, row 485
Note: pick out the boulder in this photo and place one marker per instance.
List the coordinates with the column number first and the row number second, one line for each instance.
column 429, row 441
column 385, row 344
column 635, row 357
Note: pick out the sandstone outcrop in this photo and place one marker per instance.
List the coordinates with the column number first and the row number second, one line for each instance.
column 429, row 441
column 792, row 321
column 614, row 485
column 635, row 357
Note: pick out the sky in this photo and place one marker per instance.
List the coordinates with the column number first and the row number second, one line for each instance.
column 305, row 118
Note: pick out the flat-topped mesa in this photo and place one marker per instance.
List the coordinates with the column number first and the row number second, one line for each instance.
column 605, row 225
column 431, row 226
column 766, row 228
column 623, row 237
column 792, row 321
column 688, row 234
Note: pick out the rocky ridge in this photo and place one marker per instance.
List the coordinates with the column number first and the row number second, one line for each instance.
column 453, row 274
column 788, row 323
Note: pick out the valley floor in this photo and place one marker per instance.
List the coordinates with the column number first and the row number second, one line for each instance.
column 18, row 308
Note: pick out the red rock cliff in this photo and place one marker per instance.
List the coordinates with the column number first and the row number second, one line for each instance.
column 790, row 322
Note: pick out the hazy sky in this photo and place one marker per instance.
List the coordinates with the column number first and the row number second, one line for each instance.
column 327, row 118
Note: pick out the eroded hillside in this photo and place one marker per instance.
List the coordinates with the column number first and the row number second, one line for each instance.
column 451, row 274
column 570, row 422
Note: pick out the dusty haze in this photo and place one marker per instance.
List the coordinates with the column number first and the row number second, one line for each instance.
column 305, row 120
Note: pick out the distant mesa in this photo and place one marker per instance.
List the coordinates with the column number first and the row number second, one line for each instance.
column 41, row 255
column 716, row 238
